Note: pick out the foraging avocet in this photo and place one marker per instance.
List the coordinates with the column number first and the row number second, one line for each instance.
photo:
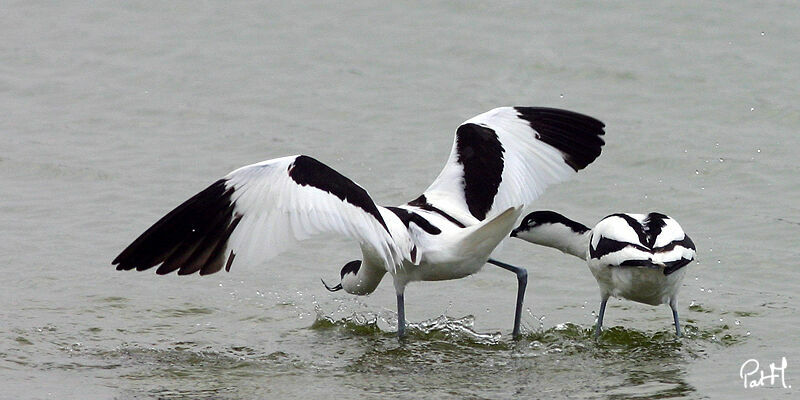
column 500, row 162
column 634, row 256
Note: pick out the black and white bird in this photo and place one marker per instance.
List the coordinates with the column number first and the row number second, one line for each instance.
column 500, row 162
column 634, row 256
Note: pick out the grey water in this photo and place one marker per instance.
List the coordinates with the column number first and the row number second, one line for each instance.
column 112, row 113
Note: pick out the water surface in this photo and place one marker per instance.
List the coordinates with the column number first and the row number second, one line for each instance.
column 113, row 113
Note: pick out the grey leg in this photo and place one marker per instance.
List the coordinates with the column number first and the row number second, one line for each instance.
column 600, row 317
column 674, row 308
column 522, row 283
column 401, row 316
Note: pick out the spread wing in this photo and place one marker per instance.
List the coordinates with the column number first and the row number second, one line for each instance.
column 506, row 157
column 254, row 213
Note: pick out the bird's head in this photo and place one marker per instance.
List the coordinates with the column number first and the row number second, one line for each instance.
column 537, row 224
column 551, row 229
column 353, row 282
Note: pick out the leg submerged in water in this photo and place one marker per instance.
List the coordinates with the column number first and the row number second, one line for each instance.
column 522, row 283
column 401, row 316
column 674, row 307
column 600, row 317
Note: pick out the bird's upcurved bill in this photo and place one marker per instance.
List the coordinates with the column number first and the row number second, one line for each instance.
column 332, row 289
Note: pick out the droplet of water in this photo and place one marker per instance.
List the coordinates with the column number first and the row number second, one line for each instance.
column 561, row 95
column 737, row 322
column 697, row 172
column 702, row 289
column 722, row 320
column 721, row 159
column 719, row 261
column 758, row 150
column 693, row 303
column 747, row 334
column 763, row 33
column 752, row 108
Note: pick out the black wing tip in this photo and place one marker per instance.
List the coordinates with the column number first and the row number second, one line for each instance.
column 190, row 238
column 529, row 110
column 578, row 136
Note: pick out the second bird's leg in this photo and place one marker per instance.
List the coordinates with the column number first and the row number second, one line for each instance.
column 673, row 306
column 600, row 317
column 522, row 283
column 401, row 316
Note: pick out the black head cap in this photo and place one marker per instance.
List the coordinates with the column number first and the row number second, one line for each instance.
column 352, row 266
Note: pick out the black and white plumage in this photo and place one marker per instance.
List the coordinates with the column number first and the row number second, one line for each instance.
column 634, row 256
column 500, row 162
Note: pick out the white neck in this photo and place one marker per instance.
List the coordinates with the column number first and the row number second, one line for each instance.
column 364, row 281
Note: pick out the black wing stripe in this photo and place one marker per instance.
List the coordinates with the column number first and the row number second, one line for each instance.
column 639, row 263
column 636, row 226
column 685, row 242
column 408, row 217
column 676, row 265
column 607, row 246
column 481, row 155
column 653, row 225
column 307, row 171
column 422, row 203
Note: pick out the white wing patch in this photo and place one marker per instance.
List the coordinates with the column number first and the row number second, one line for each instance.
column 522, row 168
column 277, row 213
column 258, row 211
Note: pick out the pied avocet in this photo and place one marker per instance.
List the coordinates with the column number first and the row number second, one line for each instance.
column 634, row 256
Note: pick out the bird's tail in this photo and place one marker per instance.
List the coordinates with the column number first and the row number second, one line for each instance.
column 482, row 239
